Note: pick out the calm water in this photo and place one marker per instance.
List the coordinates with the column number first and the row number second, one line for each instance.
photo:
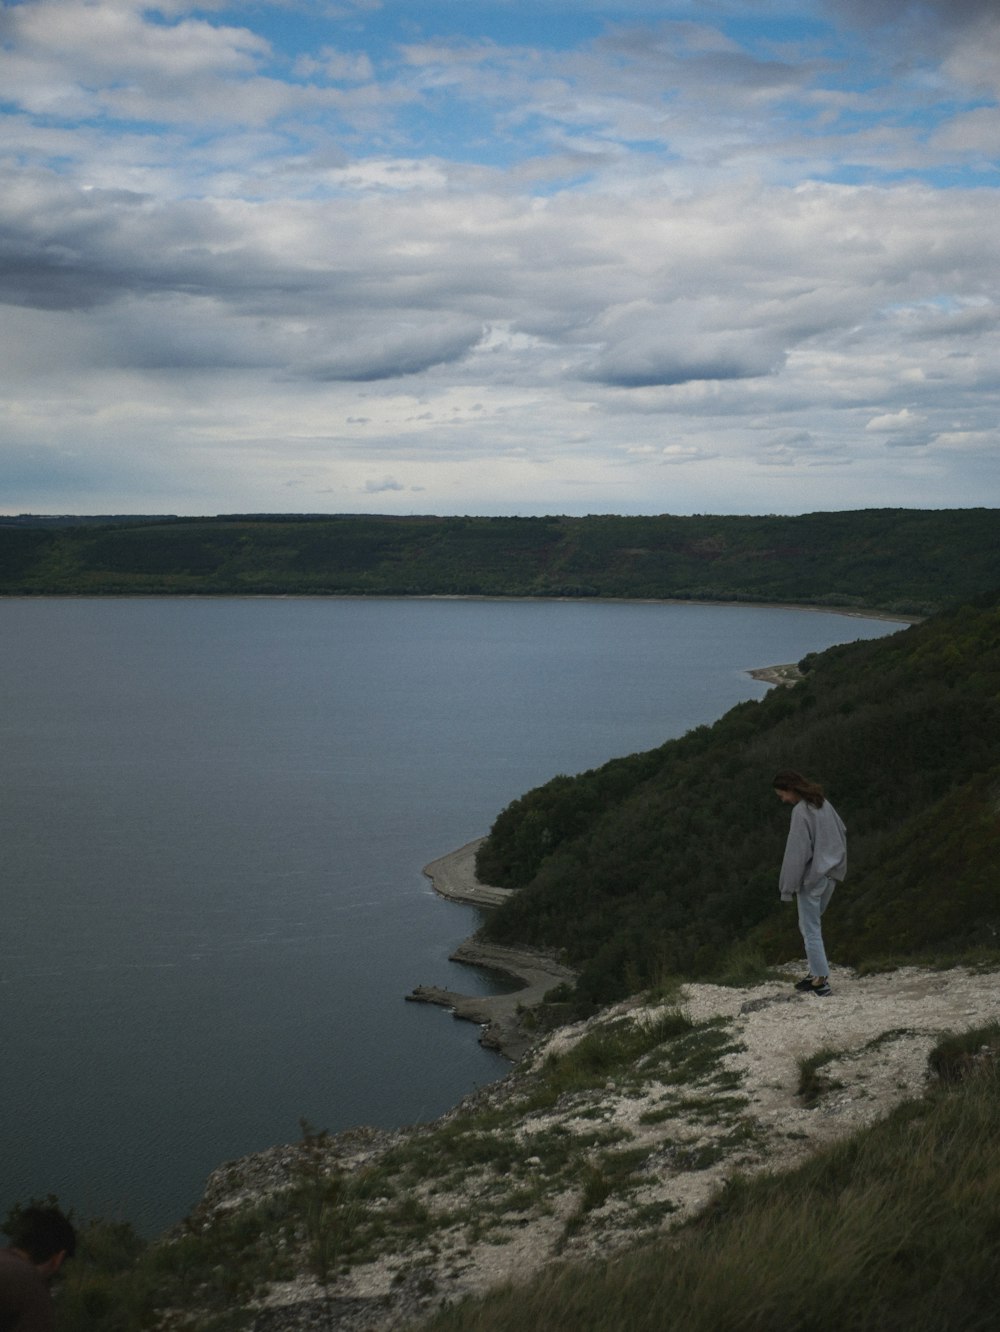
column 214, row 818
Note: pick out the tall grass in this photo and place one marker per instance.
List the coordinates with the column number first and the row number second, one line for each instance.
column 898, row 1227
column 604, row 1052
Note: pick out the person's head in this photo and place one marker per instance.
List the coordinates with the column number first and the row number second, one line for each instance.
column 43, row 1235
column 791, row 787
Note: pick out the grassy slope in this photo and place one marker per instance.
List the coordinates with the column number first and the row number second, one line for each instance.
column 666, row 862
column 895, row 1228
column 892, row 1228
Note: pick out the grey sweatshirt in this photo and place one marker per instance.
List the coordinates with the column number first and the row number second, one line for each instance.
column 816, row 848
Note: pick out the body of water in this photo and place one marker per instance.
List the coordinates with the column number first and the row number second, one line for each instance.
column 214, row 817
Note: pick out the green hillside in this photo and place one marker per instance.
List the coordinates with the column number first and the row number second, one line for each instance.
column 908, row 561
column 665, row 863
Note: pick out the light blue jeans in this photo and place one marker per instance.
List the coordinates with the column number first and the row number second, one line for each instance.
column 812, row 903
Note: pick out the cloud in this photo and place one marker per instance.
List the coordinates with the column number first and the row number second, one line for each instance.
column 651, row 357
column 380, row 487
column 942, row 15
column 963, row 36
column 669, row 454
column 389, row 353
column 676, row 454
column 337, row 66
column 67, row 55
column 111, row 59
column 269, row 254
column 789, row 448
column 689, row 56
column 891, row 422
column 734, row 283
column 902, row 430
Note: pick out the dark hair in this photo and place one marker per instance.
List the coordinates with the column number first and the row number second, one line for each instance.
column 41, row 1232
column 811, row 792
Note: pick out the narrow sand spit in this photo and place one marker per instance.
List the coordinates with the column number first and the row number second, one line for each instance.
column 788, row 674
column 454, row 877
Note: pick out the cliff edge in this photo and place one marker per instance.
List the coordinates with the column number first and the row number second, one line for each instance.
column 609, row 1131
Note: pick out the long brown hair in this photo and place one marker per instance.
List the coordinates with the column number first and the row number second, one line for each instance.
column 811, row 792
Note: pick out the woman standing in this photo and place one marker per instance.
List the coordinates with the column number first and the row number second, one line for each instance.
column 815, row 862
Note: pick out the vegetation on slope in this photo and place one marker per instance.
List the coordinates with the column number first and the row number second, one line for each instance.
column 908, row 561
column 665, row 863
column 894, row 1228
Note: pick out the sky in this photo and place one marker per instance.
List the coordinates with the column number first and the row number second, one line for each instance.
column 499, row 257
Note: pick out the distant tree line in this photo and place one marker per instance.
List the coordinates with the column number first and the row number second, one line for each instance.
column 907, row 561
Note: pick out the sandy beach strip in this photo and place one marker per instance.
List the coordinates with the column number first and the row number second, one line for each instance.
column 454, row 877
column 788, row 674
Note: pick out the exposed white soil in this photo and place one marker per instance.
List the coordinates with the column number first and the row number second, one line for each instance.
column 741, row 1112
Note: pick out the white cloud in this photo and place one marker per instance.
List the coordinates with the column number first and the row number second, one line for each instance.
column 680, row 453
column 68, row 51
column 380, row 487
column 577, row 269
column 337, row 66
column 891, row 422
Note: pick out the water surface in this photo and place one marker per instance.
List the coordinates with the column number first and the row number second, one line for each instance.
column 214, row 819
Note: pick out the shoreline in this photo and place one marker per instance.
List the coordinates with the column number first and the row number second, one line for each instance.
column 454, row 876
column 787, row 674
column 501, row 1016
column 852, row 612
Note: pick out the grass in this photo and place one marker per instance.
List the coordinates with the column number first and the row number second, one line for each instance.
column 614, row 1173
column 812, row 1083
column 608, row 1051
column 694, row 1057
column 979, row 958
column 894, row 1228
column 954, row 1058
column 744, row 965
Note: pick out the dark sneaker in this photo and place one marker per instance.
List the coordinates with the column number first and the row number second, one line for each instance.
column 806, row 983
column 821, row 988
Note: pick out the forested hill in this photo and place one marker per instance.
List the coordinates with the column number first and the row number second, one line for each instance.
column 900, row 560
column 665, row 863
